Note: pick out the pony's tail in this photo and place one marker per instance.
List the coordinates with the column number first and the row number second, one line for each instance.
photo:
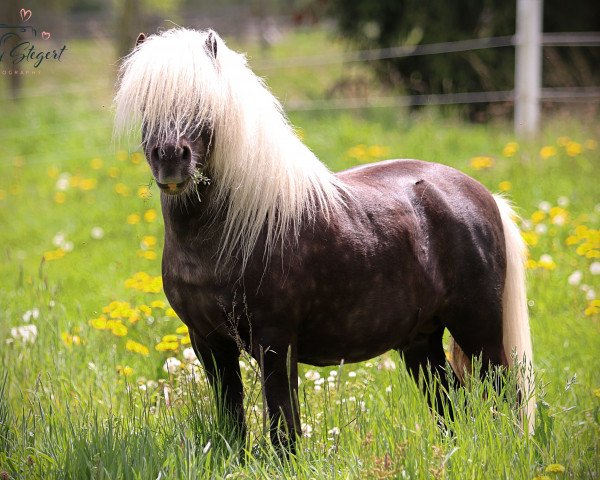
column 515, row 317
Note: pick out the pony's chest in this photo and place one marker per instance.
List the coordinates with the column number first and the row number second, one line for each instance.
column 191, row 286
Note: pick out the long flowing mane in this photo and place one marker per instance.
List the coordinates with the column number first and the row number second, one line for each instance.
column 263, row 175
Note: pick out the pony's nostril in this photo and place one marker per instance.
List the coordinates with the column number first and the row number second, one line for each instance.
column 155, row 154
column 186, row 153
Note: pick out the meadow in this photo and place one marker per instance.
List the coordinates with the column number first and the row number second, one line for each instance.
column 97, row 379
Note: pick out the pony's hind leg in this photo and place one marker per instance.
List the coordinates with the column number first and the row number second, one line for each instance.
column 478, row 333
column 427, row 352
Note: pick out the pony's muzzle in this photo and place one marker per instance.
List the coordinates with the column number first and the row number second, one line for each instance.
column 171, row 166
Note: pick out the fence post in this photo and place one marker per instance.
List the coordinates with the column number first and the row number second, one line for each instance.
column 528, row 67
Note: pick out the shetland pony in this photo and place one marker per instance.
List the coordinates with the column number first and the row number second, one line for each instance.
column 330, row 267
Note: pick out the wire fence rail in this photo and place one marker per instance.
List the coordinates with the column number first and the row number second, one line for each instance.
column 562, row 95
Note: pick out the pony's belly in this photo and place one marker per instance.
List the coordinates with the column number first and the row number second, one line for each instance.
column 352, row 343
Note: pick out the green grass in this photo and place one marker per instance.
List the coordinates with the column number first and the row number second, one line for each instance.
column 77, row 404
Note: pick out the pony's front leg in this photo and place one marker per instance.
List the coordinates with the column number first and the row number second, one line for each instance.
column 279, row 367
column 221, row 364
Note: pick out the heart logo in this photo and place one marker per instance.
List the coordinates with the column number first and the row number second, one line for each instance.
column 45, row 35
column 25, row 14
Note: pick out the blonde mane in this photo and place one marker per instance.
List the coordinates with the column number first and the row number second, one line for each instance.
column 261, row 171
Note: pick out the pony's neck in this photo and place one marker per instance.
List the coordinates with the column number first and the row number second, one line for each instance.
column 270, row 181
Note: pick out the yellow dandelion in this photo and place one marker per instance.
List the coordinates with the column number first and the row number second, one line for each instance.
column 358, row 152
column 563, row 141
column 504, row 186
column 546, row 262
column 150, row 215
column 136, row 347
column 145, row 309
column 166, row 346
column 87, row 184
column 149, row 255
column 169, row 312
column 117, row 328
column 54, row 254
column 67, row 338
column 590, row 144
column 482, row 162
column 122, row 155
column 547, row 152
column 98, row 323
column 122, row 189
column 96, row 163
column 183, row 329
column 137, row 158
column 378, row 151
column 538, row 216
column 531, row 264
column 510, row 149
column 60, row 197
column 133, row 218
column 584, row 248
column 157, row 304
column 573, row 149
column 596, row 392
column 185, row 340
column 144, row 192
column 126, row 370
column 74, row 181
column 530, row 238
column 114, row 172
column 542, row 477
column 591, row 310
column 53, row 171
column 169, row 338
column 555, row 468
column 149, row 241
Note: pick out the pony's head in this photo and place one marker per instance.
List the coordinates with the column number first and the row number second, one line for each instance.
column 165, row 87
column 199, row 107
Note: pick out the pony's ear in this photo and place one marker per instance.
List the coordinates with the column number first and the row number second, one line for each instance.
column 211, row 44
column 141, row 38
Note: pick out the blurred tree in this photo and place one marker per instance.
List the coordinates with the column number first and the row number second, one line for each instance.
column 135, row 16
column 387, row 23
column 10, row 15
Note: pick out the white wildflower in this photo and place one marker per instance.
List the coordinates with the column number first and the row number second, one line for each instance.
column 312, row 375
column 306, row 430
column 575, row 278
column 171, row 365
column 62, row 183
column 595, row 268
column 334, row 431
column 387, row 364
column 352, row 374
column 541, row 228
column 59, row 239
column 563, row 201
column 34, row 313
column 189, row 355
column 25, row 333
column 97, row 233
column 544, row 206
